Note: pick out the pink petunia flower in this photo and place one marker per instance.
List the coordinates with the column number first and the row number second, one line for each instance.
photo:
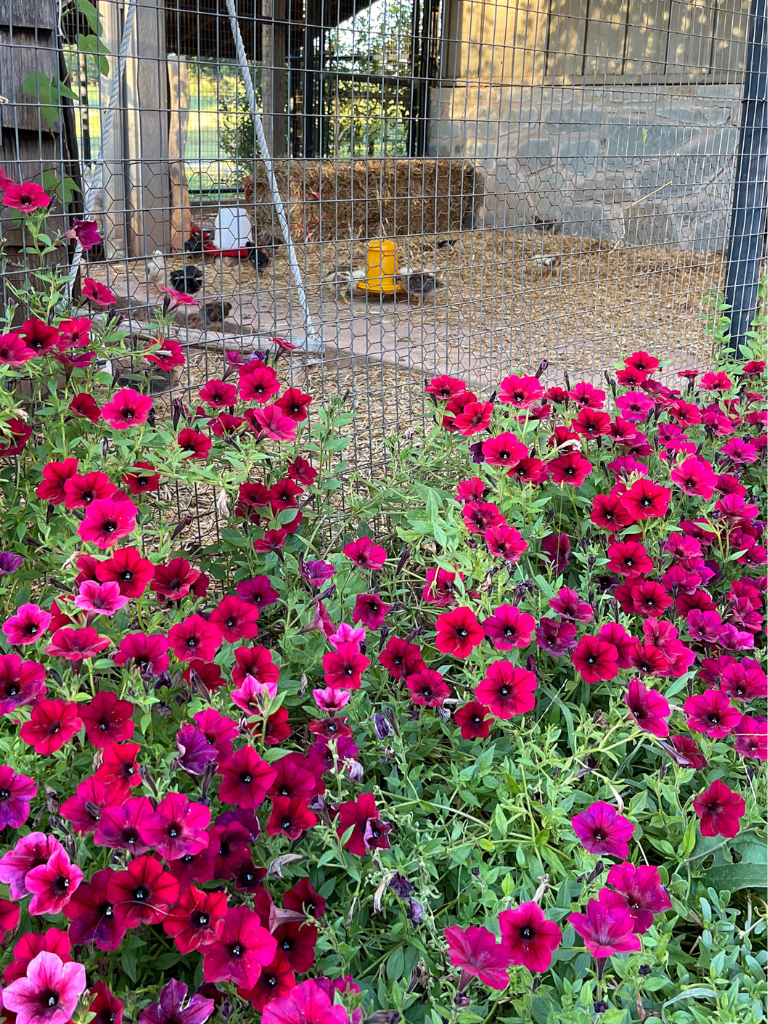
column 108, row 520
column 127, row 409
column 26, row 197
column 241, row 950
column 96, row 292
column 606, row 929
column 365, row 554
column 603, row 831
column 720, row 810
column 476, row 953
column 712, row 713
column 49, row 993
column 27, row 625
column 177, row 827
column 648, row 709
column 528, row 937
column 53, row 884
column 638, row 890
column 306, row 1003
column 100, row 598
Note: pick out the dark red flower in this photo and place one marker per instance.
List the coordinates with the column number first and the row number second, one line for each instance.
column 107, row 719
column 198, row 445
column 304, row 899
column 290, row 817
column 197, row 919
column 458, row 632
column 507, row 691
column 646, row 500
column 236, row 619
column 369, row 832
column 50, row 725
column 528, row 937
column 106, row 1007
column 143, row 893
column 241, row 951
column 720, row 810
column 55, row 476
column 245, row 779
column 21, row 682
column 648, row 709
column 555, row 637
column 81, row 490
column 93, row 915
column 128, row 569
column 428, row 688
column 595, row 659
column 294, row 404
column 147, row 653
column 712, row 713
column 83, row 405
column 474, row 721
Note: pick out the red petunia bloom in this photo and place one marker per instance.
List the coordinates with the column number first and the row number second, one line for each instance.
column 695, row 476
column 92, row 914
column 119, row 766
column 142, row 894
column 475, row 417
column 106, row 1007
column 569, row 605
column 507, row 691
column 55, row 476
column 610, row 513
column 571, row 468
column 119, row 826
column 13, row 350
column 128, row 569
column 473, row 720
column 217, row 394
column 83, row 405
column 440, row 587
column 401, row 658
column 258, row 384
column 504, row 450
column 194, row 443
column 51, row 724
column 142, row 479
column 628, row 558
column 646, row 500
column 528, row 937
column 290, row 817
column 592, row 423
column 595, row 659
column 712, row 713
column 107, row 719
column 17, row 442
column 603, row 831
column 365, row 554
column 294, row 403
column 245, row 779
column 147, row 653
column 240, row 951
column 256, row 662
column 194, row 638
column 197, row 919
column 294, row 778
column 40, row 337
column 751, row 737
column 235, row 619
column 304, row 899
column 345, row 666
column 650, row 598
column 369, row 832
column 521, row 392
column 305, row 1004
column 370, row 610
column 81, row 490
column 175, row 580
column 21, row 682
column 720, row 810
column 127, row 409
column 97, row 292
column 480, row 516
column 508, row 627
column 443, row 388
column 648, row 709
column 275, row 982
column 639, row 891
column 428, row 688
column 16, row 792
column 458, row 632
column 477, row 954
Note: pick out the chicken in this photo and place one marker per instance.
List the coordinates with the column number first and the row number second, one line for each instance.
column 156, row 267
column 418, row 284
column 343, row 280
column 259, row 260
column 188, row 280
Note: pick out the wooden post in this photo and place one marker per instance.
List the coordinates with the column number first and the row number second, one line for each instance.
column 274, row 94
column 112, row 190
column 181, row 214
column 146, row 132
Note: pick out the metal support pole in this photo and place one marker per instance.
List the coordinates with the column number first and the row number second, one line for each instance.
column 750, row 194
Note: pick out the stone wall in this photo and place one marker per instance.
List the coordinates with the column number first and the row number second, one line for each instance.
column 653, row 165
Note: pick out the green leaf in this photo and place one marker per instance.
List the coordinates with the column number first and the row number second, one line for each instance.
column 751, row 872
column 92, row 44
column 697, row 992
column 395, row 965
column 91, row 15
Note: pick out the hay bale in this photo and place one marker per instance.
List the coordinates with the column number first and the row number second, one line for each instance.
column 343, row 200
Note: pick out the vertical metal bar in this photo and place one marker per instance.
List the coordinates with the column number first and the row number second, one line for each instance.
column 750, row 194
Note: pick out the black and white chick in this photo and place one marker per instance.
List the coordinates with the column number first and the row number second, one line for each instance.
column 188, row 280
column 343, row 280
column 417, row 284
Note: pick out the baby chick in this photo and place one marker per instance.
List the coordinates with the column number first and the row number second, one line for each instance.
column 418, row 284
column 188, row 280
column 156, row 267
column 343, row 280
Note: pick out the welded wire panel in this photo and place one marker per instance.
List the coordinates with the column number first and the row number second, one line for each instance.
column 556, row 176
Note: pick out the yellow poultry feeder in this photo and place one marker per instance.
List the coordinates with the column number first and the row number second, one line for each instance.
column 382, row 269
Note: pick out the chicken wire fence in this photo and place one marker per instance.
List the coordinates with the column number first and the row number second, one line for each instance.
column 470, row 187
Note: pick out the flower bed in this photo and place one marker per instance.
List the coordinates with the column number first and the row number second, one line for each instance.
column 502, row 760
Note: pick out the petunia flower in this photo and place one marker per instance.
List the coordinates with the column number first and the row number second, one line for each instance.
column 27, row 625
column 236, row 619
column 306, row 1003
column 52, row 884
column 195, row 638
column 194, row 443
column 528, row 937
column 569, row 605
column 107, row 521
column 556, row 550
column 695, row 477
column 30, row 851
column 55, row 476
column 81, row 490
column 272, row 422
column 50, row 992
column 428, row 688
column 290, row 817
column 21, row 682
column 506, row 690
column 245, row 779
column 505, row 542
column 177, row 828
column 128, row 569
column 520, row 392
column 646, row 500
column 751, row 737
column 51, row 724
column 603, row 831
column 174, row 1008
column 720, row 810
column 476, row 953
column 712, row 713
column 119, row 825
column 370, row 610
column 557, row 638
column 16, row 793
column 648, row 709
column 638, row 890
column 344, row 667
column 241, row 950
column 14, row 351
column 365, row 554
column 142, row 894
column 106, row 1007
column 149, row 653
column 508, row 627
column 119, row 766
column 606, row 929
column 458, row 632
column 571, row 468
column 474, row 721
column 100, row 598
column 595, row 659
column 359, row 815
column 197, row 919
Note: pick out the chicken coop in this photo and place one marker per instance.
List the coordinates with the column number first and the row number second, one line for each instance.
column 400, row 188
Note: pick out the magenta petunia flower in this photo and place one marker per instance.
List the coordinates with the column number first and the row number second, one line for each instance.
column 506, row 690
column 52, row 884
column 29, row 852
column 520, row 392
column 695, row 477
column 739, row 451
column 316, row 572
column 638, row 890
column 195, row 638
column 628, row 558
column 149, row 653
column 143, row 893
column 603, row 831
column 476, row 953
column 720, row 810
column 51, row 724
column 306, row 1003
column 21, row 682
column 16, row 792
column 473, row 418
column 504, row 450
column 119, row 826
column 569, row 605
column 370, row 610
column 27, row 625
column 100, row 598
column 272, row 422
column 428, row 688
column 242, row 949
column 77, row 644
column 197, row 919
column 108, row 520
column 508, row 627
column 127, row 409
column 344, row 667
column 257, row 591
column 635, row 406
column 177, row 827
column 595, row 659
column 648, row 709
column 528, row 937
column 557, row 638
column 27, row 197
column 369, row 832
column 55, row 477
column 50, row 991
column 505, row 542
column 751, row 737
column 458, row 632
column 365, row 554
column 173, row 1007
column 606, row 929
column 218, row 730
column 83, row 810
column 571, row 468
column 609, row 513
column 712, row 713
column 236, row 619
column 14, row 350
column 106, row 1007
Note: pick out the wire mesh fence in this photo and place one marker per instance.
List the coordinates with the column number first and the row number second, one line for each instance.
column 471, row 186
